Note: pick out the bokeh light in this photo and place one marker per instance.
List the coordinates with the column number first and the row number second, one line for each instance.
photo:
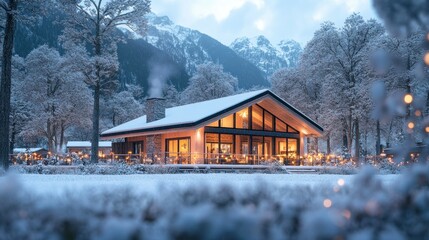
column 408, row 98
column 327, row 203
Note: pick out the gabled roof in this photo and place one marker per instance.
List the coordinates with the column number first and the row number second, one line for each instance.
column 28, row 150
column 194, row 114
column 88, row 144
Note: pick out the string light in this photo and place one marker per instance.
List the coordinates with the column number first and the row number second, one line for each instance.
column 410, row 125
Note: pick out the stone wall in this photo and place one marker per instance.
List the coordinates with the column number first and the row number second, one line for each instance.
column 153, row 145
column 155, row 109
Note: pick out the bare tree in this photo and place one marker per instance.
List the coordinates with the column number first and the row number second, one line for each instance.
column 95, row 22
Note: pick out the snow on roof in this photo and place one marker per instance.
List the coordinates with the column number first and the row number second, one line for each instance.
column 189, row 113
column 88, row 144
column 192, row 113
column 26, row 150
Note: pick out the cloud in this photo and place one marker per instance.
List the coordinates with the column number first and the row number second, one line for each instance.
column 227, row 20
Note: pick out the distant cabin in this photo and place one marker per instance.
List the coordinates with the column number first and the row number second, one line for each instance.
column 84, row 147
column 247, row 128
column 33, row 152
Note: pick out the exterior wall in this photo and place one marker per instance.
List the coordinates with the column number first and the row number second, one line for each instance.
column 104, row 150
column 197, row 144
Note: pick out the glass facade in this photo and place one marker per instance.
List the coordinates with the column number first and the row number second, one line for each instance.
column 257, row 118
column 227, row 122
column 242, row 119
column 243, row 147
column 178, row 150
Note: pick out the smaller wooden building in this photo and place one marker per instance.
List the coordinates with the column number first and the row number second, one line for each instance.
column 84, row 147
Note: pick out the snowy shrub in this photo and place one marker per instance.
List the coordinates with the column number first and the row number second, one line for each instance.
column 387, row 167
column 345, row 169
column 362, row 209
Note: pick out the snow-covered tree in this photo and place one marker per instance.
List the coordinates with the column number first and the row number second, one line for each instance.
column 171, row 95
column 12, row 12
column 209, row 82
column 95, row 22
column 120, row 108
column 58, row 95
column 331, row 82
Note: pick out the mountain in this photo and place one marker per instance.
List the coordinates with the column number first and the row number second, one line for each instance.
column 177, row 48
column 267, row 57
column 190, row 48
column 135, row 56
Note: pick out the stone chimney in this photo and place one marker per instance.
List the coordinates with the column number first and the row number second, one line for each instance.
column 155, row 109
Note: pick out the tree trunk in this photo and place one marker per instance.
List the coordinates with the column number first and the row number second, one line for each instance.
column 5, row 85
column 357, row 141
column 50, row 136
column 96, row 110
column 62, row 136
column 378, row 139
column 328, row 144
column 12, row 137
column 345, row 138
column 350, row 133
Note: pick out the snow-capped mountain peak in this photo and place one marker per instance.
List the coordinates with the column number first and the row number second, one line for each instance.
column 190, row 48
column 265, row 55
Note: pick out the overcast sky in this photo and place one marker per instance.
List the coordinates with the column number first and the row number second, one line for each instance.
column 227, row 20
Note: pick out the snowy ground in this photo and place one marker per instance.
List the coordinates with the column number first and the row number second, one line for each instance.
column 56, row 184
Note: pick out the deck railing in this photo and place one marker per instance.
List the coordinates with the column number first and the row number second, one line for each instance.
column 161, row 158
column 202, row 158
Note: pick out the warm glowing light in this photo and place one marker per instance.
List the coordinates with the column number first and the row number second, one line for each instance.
column 427, row 129
column 341, row 182
column 243, row 114
column 426, row 58
column 418, row 113
column 347, row 214
column 410, row 125
column 408, row 98
column 327, row 203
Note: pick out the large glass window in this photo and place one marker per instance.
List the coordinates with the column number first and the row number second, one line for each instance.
column 212, row 143
column 257, row 117
column 257, row 146
column 214, row 124
column 242, row 119
column 227, row 122
column 268, row 121
column 173, row 147
column 280, row 126
column 291, row 129
column 242, row 144
column 178, row 150
column 226, row 143
column 292, row 149
column 268, row 146
column 281, row 147
column 137, row 147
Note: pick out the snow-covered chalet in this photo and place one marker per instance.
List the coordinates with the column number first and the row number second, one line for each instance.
column 247, row 128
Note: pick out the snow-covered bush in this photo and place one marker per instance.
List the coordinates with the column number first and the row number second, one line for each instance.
column 362, row 209
column 345, row 169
